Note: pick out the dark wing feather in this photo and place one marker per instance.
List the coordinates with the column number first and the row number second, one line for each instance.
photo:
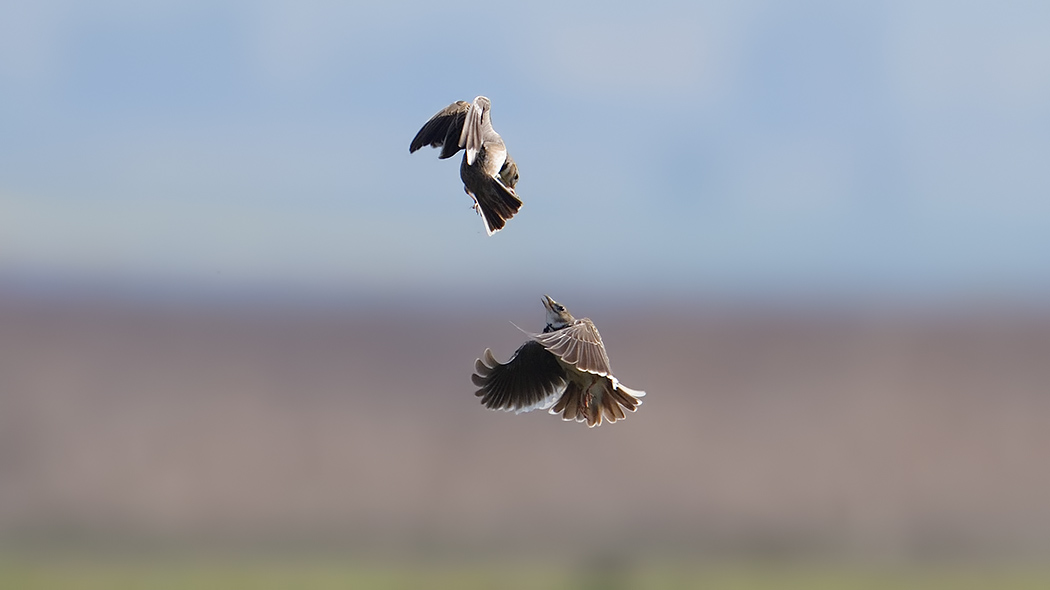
column 531, row 379
column 443, row 130
column 579, row 344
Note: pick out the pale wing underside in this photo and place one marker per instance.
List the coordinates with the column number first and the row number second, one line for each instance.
column 532, row 379
column 579, row 344
column 472, row 136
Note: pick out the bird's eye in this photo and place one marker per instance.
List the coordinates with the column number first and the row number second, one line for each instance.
column 559, row 308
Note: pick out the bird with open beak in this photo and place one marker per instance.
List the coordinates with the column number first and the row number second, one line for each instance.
column 564, row 369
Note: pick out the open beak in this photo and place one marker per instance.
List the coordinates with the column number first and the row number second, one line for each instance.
column 548, row 302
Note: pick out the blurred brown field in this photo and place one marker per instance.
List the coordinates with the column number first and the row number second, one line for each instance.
column 767, row 434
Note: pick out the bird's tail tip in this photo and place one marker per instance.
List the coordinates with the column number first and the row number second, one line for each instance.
column 496, row 206
column 607, row 406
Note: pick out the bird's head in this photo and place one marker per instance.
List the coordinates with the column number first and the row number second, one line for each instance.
column 557, row 316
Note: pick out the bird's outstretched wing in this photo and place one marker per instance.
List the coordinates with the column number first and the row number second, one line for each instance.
column 532, row 379
column 476, row 131
column 443, row 130
column 579, row 344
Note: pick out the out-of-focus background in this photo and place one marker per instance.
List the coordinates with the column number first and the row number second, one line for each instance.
column 238, row 318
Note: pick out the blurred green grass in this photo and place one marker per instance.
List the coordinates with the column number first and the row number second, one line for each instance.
column 116, row 574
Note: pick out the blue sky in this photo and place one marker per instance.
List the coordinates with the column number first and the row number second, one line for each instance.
column 754, row 148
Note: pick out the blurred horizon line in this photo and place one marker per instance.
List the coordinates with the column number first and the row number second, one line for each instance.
column 263, row 294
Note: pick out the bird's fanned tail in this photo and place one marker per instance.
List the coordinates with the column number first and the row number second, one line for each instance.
column 607, row 404
column 569, row 405
column 496, row 204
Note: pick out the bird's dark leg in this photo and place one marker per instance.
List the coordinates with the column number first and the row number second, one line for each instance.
column 588, row 397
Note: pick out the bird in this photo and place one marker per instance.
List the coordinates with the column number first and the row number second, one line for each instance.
column 489, row 174
column 564, row 369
